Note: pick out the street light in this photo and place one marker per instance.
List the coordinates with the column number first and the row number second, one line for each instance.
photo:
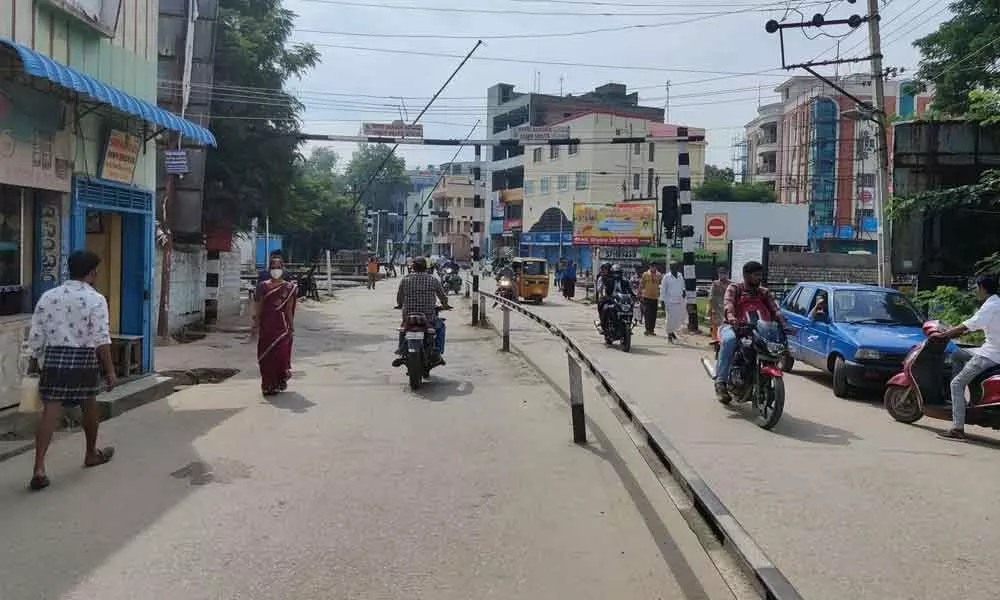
column 881, row 192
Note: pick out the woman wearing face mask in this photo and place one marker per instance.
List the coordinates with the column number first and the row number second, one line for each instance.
column 273, row 318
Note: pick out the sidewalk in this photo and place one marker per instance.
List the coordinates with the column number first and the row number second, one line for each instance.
column 351, row 486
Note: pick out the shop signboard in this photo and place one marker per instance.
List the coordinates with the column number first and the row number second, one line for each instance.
column 620, row 224
column 392, row 130
column 33, row 146
column 120, row 155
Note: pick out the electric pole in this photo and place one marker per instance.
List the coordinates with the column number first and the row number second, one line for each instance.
column 883, row 172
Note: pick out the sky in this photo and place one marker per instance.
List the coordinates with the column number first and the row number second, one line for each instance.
column 384, row 59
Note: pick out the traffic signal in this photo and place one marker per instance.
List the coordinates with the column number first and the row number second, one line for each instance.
column 670, row 211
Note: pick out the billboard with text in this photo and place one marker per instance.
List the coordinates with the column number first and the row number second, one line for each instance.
column 620, row 224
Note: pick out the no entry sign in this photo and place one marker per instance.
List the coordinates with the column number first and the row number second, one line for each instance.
column 716, row 232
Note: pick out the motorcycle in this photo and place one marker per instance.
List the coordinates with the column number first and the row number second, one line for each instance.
column 419, row 335
column 452, row 281
column 755, row 375
column 620, row 319
column 505, row 289
column 924, row 385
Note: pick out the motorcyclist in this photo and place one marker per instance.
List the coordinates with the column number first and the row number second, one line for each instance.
column 444, row 265
column 418, row 294
column 742, row 300
column 612, row 283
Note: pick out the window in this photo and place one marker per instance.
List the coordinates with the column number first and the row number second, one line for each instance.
column 652, row 151
column 529, row 187
column 573, row 149
column 543, row 185
column 469, row 203
column 801, row 302
column 635, row 181
column 456, row 169
column 637, row 149
column 650, row 189
column 10, row 235
column 581, row 180
column 866, row 180
column 562, row 182
column 553, row 152
column 536, row 155
column 873, row 307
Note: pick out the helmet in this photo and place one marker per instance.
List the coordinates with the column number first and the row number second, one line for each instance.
column 616, row 269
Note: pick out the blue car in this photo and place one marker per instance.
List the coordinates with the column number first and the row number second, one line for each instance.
column 859, row 333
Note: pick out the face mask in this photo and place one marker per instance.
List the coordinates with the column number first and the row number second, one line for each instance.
column 276, row 273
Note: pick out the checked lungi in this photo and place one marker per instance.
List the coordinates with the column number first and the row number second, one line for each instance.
column 69, row 375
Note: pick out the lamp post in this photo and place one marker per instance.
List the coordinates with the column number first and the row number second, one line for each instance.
column 882, row 235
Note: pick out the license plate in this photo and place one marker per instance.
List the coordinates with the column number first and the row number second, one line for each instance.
column 414, row 335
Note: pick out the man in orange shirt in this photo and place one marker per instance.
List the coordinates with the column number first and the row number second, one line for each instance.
column 649, row 292
column 372, row 271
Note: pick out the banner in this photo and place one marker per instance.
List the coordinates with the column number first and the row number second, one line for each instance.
column 621, row 224
column 120, row 156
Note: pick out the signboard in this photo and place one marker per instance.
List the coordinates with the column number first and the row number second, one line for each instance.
column 120, row 156
column 621, row 224
column 716, row 232
column 619, row 253
column 397, row 129
column 513, row 196
column 34, row 150
column 176, row 162
column 529, row 133
column 743, row 251
column 497, row 205
column 101, row 15
column 535, row 238
column 511, row 224
column 866, row 198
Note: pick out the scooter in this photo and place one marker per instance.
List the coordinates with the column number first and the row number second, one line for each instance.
column 923, row 387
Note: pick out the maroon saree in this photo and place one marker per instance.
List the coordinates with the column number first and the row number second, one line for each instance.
column 274, row 342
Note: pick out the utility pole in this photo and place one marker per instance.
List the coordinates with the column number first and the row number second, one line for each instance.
column 883, row 173
column 666, row 106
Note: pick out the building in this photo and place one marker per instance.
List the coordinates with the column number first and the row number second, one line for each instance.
column 508, row 109
column 815, row 148
column 557, row 177
column 417, row 225
column 453, row 212
column 78, row 117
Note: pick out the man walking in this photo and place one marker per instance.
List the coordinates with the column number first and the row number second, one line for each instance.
column 372, row 271
column 649, row 295
column 70, row 333
column 672, row 295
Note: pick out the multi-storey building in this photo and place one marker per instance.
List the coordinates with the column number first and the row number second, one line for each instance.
column 814, row 147
column 508, row 109
column 453, row 212
column 417, row 224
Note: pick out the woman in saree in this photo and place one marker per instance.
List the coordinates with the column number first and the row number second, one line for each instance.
column 273, row 325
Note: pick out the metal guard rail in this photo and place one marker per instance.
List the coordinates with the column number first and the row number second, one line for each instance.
column 769, row 581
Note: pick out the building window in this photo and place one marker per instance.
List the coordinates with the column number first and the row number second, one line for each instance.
column 536, row 155
column 543, row 185
column 553, row 152
column 456, row 169
column 562, row 182
column 652, row 151
column 581, row 180
column 469, row 203
column 636, row 181
column 650, row 189
column 529, row 187
column 10, row 235
column 573, row 149
column 637, row 149
column 866, row 180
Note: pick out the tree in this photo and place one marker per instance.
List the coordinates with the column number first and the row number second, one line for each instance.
column 960, row 56
column 254, row 120
column 390, row 180
column 713, row 173
column 715, row 190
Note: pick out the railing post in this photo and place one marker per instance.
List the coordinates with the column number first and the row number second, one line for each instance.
column 576, row 400
column 475, row 300
column 482, row 310
column 506, row 329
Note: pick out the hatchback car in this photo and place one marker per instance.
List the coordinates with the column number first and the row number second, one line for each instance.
column 859, row 333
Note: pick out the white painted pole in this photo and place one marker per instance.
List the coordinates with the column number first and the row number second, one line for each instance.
column 329, row 274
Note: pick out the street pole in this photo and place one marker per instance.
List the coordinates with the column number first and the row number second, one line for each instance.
column 883, row 173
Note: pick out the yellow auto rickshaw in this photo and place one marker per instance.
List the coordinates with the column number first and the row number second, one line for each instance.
column 532, row 277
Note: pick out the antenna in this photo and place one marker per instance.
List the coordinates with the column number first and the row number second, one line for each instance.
column 562, row 78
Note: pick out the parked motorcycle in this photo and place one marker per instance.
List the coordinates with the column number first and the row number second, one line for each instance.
column 452, row 281
column 419, row 335
column 505, row 289
column 923, row 387
column 620, row 319
column 755, row 375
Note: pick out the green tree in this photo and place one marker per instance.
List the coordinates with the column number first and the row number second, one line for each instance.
column 713, row 173
column 716, row 190
column 389, row 181
column 960, row 56
column 255, row 122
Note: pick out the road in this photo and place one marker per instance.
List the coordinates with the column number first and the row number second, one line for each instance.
column 847, row 502
column 352, row 486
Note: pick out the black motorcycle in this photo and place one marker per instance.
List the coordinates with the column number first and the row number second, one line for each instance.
column 505, row 289
column 755, row 374
column 620, row 318
column 419, row 335
column 452, row 280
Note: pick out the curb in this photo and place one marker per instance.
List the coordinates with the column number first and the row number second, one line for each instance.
column 770, row 582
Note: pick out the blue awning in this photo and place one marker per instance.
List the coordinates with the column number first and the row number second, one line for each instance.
column 37, row 64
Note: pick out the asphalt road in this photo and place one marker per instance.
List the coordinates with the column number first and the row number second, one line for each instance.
column 352, row 486
column 847, row 502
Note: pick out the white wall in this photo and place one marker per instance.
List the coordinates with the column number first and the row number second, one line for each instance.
column 187, row 288
column 229, row 284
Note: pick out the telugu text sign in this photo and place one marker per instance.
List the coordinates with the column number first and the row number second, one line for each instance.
column 621, row 224
column 540, row 134
column 716, row 232
column 120, row 155
column 392, row 130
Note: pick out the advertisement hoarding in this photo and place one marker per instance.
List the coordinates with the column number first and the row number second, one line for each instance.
column 530, row 133
column 621, row 224
column 397, row 130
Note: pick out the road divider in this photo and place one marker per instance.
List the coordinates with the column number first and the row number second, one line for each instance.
column 768, row 580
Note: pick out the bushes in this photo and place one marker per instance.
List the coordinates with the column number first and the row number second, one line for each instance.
column 952, row 306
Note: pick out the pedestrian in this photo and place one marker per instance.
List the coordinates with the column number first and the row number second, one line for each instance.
column 372, row 271
column 70, row 334
column 274, row 328
column 569, row 280
column 987, row 356
column 649, row 295
column 716, row 300
column 672, row 295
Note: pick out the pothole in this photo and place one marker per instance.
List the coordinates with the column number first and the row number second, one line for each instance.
column 200, row 376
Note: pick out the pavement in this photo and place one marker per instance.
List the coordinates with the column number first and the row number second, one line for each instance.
column 847, row 502
column 349, row 485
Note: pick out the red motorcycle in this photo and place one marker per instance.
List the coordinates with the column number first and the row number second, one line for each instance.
column 923, row 386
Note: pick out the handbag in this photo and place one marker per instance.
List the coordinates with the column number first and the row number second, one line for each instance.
column 31, row 398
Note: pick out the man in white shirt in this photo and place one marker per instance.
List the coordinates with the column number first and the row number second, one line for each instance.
column 986, row 319
column 70, row 333
column 672, row 295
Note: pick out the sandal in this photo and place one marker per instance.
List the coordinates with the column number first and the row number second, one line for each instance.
column 39, row 482
column 104, row 455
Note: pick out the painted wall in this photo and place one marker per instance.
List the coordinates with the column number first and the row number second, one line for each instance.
column 230, row 293
column 187, row 288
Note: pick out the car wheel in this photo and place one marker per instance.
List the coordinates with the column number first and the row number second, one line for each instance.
column 841, row 388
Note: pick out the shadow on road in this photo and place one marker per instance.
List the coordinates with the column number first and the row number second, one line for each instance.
column 970, row 436
column 291, row 401
column 439, row 389
column 804, row 430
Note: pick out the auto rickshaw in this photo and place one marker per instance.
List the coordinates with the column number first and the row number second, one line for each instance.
column 532, row 277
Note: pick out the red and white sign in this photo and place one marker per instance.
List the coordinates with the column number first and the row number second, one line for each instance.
column 716, row 232
column 867, row 198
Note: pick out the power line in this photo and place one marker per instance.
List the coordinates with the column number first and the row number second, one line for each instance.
column 660, row 4
column 766, row 7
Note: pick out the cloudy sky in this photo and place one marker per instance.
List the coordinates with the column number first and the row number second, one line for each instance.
column 380, row 55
